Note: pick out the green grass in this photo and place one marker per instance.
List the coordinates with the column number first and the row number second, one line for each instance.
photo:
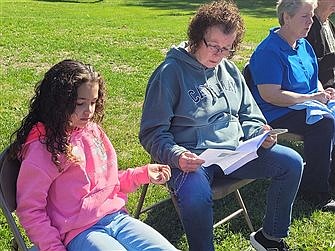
column 125, row 41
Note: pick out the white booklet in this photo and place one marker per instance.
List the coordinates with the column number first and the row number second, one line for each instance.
column 230, row 160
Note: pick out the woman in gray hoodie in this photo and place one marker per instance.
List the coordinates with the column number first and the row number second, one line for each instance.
column 197, row 99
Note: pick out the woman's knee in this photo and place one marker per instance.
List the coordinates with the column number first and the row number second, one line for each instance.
column 290, row 161
column 195, row 195
column 325, row 126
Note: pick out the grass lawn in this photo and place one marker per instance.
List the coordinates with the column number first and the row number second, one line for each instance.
column 125, row 40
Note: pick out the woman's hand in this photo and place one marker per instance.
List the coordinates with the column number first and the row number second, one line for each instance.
column 189, row 162
column 331, row 92
column 322, row 96
column 159, row 174
column 270, row 140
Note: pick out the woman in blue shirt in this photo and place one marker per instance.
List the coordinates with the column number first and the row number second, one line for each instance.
column 284, row 69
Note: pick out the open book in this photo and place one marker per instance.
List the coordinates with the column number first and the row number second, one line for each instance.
column 229, row 160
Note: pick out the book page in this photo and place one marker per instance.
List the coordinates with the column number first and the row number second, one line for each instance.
column 239, row 163
column 252, row 144
column 216, row 156
column 230, row 160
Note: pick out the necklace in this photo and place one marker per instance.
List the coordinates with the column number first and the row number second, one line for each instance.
column 182, row 176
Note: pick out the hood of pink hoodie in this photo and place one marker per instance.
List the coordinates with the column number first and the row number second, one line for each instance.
column 37, row 132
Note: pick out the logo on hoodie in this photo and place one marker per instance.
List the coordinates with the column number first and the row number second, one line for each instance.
column 214, row 90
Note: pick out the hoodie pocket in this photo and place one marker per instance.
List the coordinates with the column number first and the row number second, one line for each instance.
column 90, row 208
column 221, row 134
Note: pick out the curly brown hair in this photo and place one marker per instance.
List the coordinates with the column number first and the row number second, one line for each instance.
column 224, row 14
column 53, row 104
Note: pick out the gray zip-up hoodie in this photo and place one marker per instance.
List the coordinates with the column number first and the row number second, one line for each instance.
column 190, row 107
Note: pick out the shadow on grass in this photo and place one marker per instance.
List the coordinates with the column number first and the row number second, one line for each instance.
column 259, row 8
column 71, row 1
column 178, row 5
column 254, row 196
column 165, row 219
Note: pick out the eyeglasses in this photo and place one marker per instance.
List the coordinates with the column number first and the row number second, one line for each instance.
column 215, row 49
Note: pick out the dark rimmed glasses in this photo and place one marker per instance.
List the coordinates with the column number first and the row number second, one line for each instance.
column 215, row 49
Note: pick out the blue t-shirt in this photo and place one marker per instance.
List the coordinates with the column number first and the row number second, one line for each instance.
column 275, row 62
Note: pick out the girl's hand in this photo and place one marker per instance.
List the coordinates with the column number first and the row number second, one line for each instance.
column 189, row 162
column 159, row 174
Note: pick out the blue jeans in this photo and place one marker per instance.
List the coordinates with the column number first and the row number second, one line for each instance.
column 281, row 164
column 119, row 231
column 318, row 145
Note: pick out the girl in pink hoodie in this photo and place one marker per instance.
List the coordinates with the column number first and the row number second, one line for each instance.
column 70, row 193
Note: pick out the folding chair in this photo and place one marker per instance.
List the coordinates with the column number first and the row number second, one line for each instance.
column 221, row 187
column 9, row 170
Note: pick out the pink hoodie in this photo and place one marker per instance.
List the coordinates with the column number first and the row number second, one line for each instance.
column 54, row 207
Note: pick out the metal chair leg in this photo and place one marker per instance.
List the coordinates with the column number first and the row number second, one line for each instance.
column 175, row 204
column 141, row 201
column 245, row 212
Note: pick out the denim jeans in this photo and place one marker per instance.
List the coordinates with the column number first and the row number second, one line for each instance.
column 318, row 145
column 119, row 231
column 282, row 165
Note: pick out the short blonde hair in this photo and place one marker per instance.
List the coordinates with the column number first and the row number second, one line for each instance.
column 291, row 7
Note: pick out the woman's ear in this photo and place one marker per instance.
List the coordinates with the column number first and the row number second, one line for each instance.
column 286, row 18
